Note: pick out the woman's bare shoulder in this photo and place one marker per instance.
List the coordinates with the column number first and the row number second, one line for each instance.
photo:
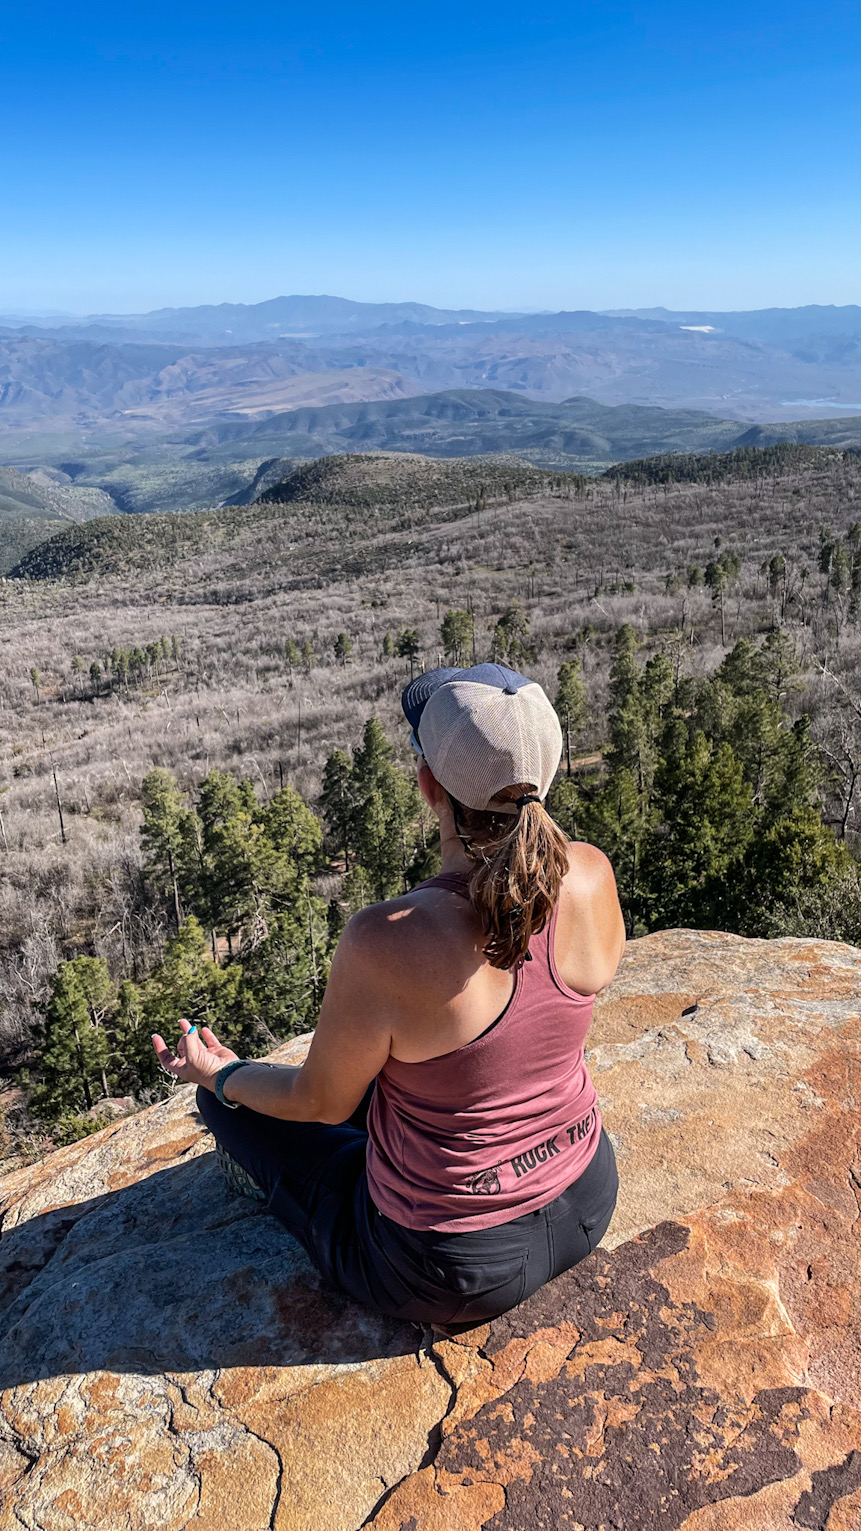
column 392, row 933
column 590, row 873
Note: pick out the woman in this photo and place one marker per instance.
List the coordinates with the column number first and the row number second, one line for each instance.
column 440, row 1152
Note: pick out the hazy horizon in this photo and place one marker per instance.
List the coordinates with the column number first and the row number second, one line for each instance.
column 36, row 313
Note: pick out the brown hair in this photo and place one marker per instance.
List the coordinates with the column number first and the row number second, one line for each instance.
column 520, row 861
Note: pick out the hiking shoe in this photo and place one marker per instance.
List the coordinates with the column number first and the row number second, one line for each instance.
column 237, row 1178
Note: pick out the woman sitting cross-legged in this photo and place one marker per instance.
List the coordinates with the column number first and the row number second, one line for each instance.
column 440, row 1153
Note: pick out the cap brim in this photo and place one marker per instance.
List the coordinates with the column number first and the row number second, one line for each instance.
column 416, row 695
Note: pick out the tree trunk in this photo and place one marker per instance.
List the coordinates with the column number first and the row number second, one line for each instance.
column 59, row 805
column 176, row 909
column 315, row 977
column 848, row 809
column 83, row 1071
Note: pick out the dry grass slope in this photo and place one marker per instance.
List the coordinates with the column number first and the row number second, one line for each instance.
column 233, row 585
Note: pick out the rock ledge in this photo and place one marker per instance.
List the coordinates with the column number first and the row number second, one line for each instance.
column 171, row 1360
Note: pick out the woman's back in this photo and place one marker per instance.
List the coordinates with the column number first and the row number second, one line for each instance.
column 465, row 1005
column 497, row 1126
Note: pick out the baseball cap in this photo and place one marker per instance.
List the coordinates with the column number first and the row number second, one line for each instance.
column 482, row 730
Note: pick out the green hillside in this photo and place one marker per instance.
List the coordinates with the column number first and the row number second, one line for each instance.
column 465, row 422
column 844, row 433
column 404, row 480
column 313, row 517
column 34, row 507
column 716, row 467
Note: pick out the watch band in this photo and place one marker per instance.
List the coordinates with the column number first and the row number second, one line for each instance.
column 222, row 1075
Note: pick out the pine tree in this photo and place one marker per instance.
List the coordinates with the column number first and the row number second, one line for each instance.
column 188, row 983
column 343, row 648
column 169, row 838
column 409, row 647
column 76, row 1064
column 387, row 816
column 227, row 811
column 457, row 633
column 717, row 580
column 708, row 822
column 510, row 645
column 337, row 801
column 570, row 702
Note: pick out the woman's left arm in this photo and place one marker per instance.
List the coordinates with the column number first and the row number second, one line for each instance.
column 350, row 1045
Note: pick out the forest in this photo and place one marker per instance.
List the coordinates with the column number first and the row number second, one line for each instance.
column 204, row 772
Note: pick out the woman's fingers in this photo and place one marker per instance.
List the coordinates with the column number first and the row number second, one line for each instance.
column 194, row 1052
column 163, row 1053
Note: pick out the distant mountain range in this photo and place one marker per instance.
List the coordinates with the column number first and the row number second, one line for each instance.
column 576, row 434
column 235, row 323
column 139, row 377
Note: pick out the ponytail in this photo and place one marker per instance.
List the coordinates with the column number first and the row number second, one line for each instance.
column 519, row 866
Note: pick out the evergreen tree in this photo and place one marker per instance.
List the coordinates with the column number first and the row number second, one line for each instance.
column 457, row 633
column 717, row 580
column 169, row 839
column 570, row 702
column 188, row 983
column 796, row 855
column 76, row 1063
column 343, row 647
column 337, row 801
column 510, row 644
column 387, row 818
column 227, row 811
column 409, row 647
column 706, row 809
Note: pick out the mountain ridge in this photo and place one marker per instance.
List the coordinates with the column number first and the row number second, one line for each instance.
column 134, row 377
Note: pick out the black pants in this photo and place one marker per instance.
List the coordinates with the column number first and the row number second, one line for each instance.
column 315, row 1182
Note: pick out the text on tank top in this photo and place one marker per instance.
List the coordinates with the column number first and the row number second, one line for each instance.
column 496, row 1128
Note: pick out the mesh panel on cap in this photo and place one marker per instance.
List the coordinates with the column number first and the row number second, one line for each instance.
column 478, row 740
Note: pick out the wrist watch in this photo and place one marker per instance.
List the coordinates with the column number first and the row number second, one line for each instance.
column 222, row 1075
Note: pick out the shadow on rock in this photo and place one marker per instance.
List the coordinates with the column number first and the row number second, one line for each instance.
column 172, row 1273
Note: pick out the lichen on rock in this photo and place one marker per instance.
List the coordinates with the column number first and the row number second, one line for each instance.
column 171, row 1359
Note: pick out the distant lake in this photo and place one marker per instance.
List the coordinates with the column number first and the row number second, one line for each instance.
column 816, row 404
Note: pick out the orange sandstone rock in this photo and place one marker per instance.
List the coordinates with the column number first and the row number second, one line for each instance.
column 171, row 1359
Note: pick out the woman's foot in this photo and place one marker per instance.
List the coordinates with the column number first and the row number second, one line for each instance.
column 237, row 1178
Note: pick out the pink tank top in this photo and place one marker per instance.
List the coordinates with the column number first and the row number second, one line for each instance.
column 496, row 1128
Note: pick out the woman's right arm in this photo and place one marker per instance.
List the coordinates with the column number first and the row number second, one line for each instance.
column 590, row 928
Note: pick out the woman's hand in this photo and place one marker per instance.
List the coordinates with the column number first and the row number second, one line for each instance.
column 198, row 1058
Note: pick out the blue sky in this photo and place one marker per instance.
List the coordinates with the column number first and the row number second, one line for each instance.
column 589, row 155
